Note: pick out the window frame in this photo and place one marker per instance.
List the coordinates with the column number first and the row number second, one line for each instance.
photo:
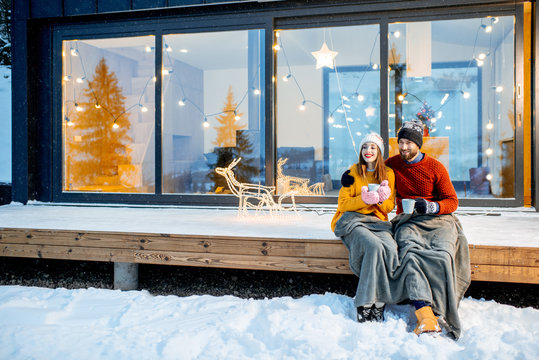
column 269, row 21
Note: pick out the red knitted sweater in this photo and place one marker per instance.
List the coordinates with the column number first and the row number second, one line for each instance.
column 427, row 179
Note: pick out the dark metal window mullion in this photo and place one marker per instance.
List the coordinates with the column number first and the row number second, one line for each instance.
column 270, row 122
column 384, row 83
column 158, row 112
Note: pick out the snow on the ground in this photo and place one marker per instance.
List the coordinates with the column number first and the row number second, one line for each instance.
column 481, row 226
column 39, row 323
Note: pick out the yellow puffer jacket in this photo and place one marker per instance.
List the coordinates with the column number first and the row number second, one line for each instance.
column 350, row 197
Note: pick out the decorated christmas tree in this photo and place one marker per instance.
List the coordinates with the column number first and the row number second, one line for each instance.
column 97, row 134
column 231, row 143
column 226, row 132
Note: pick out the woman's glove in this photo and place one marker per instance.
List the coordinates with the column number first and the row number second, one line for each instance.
column 369, row 197
column 347, row 179
column 384, row 191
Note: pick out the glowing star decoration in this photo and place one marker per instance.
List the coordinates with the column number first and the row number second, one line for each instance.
column 369, row 111
column 296, row 185
column 255, row 196
column 324, row 57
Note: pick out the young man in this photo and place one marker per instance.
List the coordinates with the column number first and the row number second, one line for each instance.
column 434, row 270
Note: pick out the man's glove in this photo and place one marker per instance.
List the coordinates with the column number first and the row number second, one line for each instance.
column 423, row 206
column 347, row 179
column 384, row 191
column 369, row 197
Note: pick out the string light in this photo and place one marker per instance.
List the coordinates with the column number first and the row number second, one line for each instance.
column 490, row 125
column 206, row 124
column 74, row 52
column 397, row 34
column 67, row 78
column 256, row 92
column 181, row 102
column 236, row 116
column 148, row 49
column 489, row 151
column 115, row 126
column 80, row 80
column 302, row 106
column 331, row 119
column 499, row 89
column 465, row 94
column 78, row 107
column 276, row 47
column 360, row 97
column 97, row 106
column 489, row 177
column 286, row 77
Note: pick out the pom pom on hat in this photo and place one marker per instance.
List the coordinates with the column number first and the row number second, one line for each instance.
column 413, row 131
column 373, row 138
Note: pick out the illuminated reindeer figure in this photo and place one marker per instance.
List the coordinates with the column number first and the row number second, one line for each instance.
column 300, row 186
column 254, row 196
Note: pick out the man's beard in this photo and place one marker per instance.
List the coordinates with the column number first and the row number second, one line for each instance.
column 411, row 154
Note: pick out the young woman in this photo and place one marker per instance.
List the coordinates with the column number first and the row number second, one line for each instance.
column 361, row 222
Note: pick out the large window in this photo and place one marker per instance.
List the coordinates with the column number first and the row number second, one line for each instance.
column 328, row 98
column 182, row 112
column 457, row 77
column 108, row 115
column 212, row 110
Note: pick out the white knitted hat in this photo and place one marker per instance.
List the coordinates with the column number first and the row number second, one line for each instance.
column 373, row 138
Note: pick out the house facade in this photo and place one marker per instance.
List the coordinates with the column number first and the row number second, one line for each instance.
column 139, row 101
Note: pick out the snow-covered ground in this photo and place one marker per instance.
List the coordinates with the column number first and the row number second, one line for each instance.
column 5, row 125
column 38, row 323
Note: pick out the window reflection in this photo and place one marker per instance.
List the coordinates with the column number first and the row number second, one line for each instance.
column 108, row 115
column 456, row 76
column 328, row 98
column 212, row 110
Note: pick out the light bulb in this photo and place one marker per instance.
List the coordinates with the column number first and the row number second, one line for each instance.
column 286, row 77
column 70, row 123
column 143, row 108
column 479, row 62
column 237, row 117
column 490, row 126
column 74, row 52
column 331, row 120
column 488, row 28
column 489, row 151
column 489, row 177
column 482, row 56
column 499, row 89
column 154, row 78
column 165, row 72
column 181, row 102
column 302, row 106
column 360, row 97
column 148, row 49
column 115, row 126
column 256, row 92
column 206, row 124
column 67, row 78
column 400, row 97
column 79, row 80
column 277, row 34
column 397, row 34
column 78, row 107
column 465, row 94
column 276, row 47
column 97, row 106
column 444, row 99
column 168, row 48
column 374, row 66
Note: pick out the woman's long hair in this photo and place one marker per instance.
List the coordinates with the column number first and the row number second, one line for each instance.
column 380, row 173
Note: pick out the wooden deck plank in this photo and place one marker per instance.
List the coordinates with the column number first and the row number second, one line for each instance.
column 275, row 263
column 489, row 263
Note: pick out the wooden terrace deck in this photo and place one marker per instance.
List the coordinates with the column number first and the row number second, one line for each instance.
column 239, row 244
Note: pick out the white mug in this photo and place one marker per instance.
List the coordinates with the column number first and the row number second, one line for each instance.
column 373, row 187
column 408, row 206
